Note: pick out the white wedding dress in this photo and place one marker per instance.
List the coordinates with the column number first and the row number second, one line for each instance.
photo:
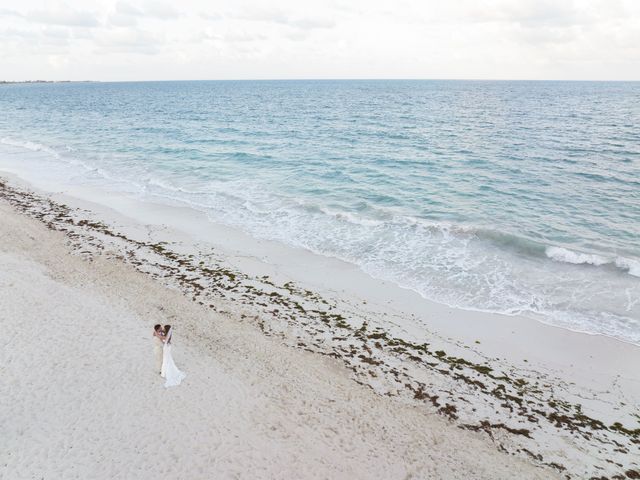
column 172, row 376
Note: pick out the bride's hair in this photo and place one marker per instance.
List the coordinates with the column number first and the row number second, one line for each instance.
column 166, row 331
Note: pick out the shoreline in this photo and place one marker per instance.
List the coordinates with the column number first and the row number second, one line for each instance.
column 191, row 221
column 189, row 229
column 182, row 224
column 457, row 357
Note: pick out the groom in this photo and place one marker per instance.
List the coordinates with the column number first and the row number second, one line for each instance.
column 158, row 335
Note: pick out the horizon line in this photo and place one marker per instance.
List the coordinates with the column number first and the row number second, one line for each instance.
column 450, row 79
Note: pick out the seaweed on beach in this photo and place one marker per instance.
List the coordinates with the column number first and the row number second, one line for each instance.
column 478, row 395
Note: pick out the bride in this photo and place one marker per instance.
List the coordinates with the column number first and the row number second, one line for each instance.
column 169, row 371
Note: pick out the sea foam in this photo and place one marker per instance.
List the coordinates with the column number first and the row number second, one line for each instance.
column 565, row 255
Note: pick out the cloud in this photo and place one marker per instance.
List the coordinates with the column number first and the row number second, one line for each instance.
column 60, row 33
column 122, row 20
column 243, row 37
column 19, row 34
column 58, row 61
column 42, row 36
column 311, row 23
column 297, row 35
column 123, row 40
column 66, row 17
column 540, row 13
column 153, row 9
column 211, row 16
column 525, row 23
column 4, row 12
column 124, row 8
column 30, row 41
column 161, row 10
column 128, row 15
column 547, row 36
column 205, row 36
column 234, row 37
column 279, row 17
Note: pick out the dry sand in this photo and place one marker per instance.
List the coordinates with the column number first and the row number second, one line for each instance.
column 80, row 398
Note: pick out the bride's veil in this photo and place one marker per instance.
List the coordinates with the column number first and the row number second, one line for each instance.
column 168, row 336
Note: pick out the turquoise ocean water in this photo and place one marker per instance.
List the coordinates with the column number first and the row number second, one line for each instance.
column 513, row 197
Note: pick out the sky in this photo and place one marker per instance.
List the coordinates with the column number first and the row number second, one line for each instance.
column 125, row 40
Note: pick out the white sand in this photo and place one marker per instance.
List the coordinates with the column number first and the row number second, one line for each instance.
column 80, row 398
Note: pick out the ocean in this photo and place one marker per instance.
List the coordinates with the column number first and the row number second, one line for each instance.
column 511, row 197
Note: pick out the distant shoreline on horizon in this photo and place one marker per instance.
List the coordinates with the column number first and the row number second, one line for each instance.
column 11, row 82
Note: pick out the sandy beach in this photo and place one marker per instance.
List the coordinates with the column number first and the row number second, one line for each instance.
column 320, row 240
column 283, row 381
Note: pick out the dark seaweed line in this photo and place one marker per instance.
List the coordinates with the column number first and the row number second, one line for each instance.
column 205, row 281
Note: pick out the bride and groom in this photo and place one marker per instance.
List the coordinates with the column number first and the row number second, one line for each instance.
column 164, row 359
